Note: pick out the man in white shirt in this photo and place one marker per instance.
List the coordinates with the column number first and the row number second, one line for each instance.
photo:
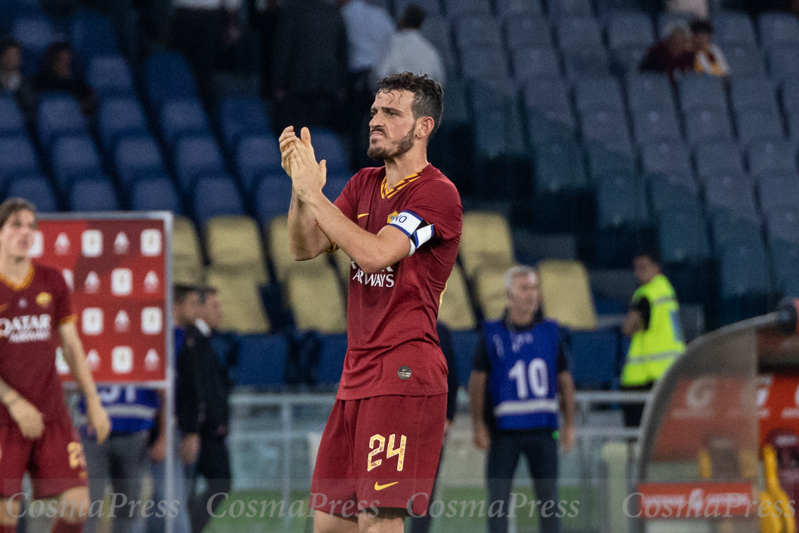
column 410, row 51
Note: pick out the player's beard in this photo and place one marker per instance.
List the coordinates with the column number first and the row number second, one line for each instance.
column 398, row 149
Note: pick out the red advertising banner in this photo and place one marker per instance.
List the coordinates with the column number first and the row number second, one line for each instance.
column 696, row 500
column 778, row 403
column 117, row 269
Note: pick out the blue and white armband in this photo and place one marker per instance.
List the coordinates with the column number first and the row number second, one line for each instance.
column 415, row 227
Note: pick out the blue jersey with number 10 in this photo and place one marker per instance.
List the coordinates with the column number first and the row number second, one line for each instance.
column 523, row 379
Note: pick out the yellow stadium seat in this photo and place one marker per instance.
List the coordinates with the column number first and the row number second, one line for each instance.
column 315, row 298
column 187, row 264
column 491, row 292
column 242, row 309
column 234, row 243
column 566, row 294
column 486, row 242
column 280, row 253
column 456, row 309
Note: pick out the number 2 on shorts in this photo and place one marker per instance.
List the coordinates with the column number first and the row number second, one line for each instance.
column 377, row 443
column 76, row 457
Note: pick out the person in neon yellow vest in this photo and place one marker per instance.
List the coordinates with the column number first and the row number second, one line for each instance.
column 653, row 322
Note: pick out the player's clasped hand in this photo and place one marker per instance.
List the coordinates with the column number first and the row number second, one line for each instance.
column 299, row 162
column 97, row 420
column 27, row 417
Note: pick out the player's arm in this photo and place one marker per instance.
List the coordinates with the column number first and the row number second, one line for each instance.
column 27, row 417
column 477, row 387
column 75, row 358
column 566, row 392
column 637, row 318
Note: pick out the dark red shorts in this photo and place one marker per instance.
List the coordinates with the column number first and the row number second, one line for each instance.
column 379, row 452
column 55, row 460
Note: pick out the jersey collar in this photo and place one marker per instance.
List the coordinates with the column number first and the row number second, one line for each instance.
column 385, row 192
column 25, row 282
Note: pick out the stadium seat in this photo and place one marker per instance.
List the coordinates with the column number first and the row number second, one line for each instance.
column 525, row 31
column 261, row 361
column 648, row 92
column 778, row 190
column 701, row 92
column 277, row 244
column 242, row 309
column 483, row 62
column 334, row 185
column 550, row 125
column 196, row 156
column 707, row 125
column 566, row 294
column 770, row 156
column 182, row 117
column 778, row 29
column 559, row 167
column 666, row 158
column 726, row 228
column 586, row 63
column 485, row 242
column 35, row 32
column 331, row 359
column 327, row 146
column 117, row 117
column 257, row 155
column 570, row 8
column 734, row 28
column 137, row 157
column 602, row 162
column 35, row 188
column 744, row 60
column 239, row 116
column 783, row 62
column 456, row 308
column 58, row 114
column 507, row 9
column 744, row 282
column 92, row 34
column 629, row 28
column 666, row 18
column 187, row 262
column 752, row 92
column 790, row 94
column 607, row 129
column 491, row 295
column 494, row 138
column 93, row 194
column 656, row 125
column 431, row 7
column 156, row 193
column 17, row 157
column 491, row 94
column 476, row 30
column 673, row 191
column 683, row 237
column 626, row 60
column 783, row 223
column 74, row 156
column 784, row 258
column 581, row 32
column 622, row 201
column 464, row 343
column 272, row 195
column 437, row 30
column 12, row 121
column 216, row 195
column 598, row 93
column 595, row 359
column 234, row 243
column 728, row 193
column 758, row 124
column 166, row 77
column 316, row 301
column 546, row 93
column 459, row 8
column 535, row 62
column 110, row 76
column 718, row 157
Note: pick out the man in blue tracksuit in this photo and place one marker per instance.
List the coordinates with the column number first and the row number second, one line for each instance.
column 520, row 380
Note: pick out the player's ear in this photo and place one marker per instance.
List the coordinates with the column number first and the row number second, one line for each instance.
column 424, row 126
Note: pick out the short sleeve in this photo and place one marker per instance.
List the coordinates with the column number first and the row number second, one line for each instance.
column 643, row 306
column 63, row 310
column 439, row 205
column 347, row 201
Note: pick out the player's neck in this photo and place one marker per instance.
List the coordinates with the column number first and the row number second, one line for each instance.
column 14, row 269
column 406, row 165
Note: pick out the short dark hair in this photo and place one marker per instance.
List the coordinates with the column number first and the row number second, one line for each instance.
column 181, row 291
column 52, row 51
column 205, row 292
column 428, row 95
column 413, row 17
column 7, row 44
column 648, row 251
column 14, row 205
column 701, row 26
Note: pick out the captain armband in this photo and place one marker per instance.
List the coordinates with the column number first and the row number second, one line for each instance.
column 415, row 227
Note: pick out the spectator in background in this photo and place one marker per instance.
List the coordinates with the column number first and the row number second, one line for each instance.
column 672, row 55
column 264, row 15
column 708, row 57
column 310, row 64
column 700, row 8
column 12, row 82
column 410, row 51
column 57, row 76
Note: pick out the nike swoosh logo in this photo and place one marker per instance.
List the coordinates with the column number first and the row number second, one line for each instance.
column 363, row 215
column 387, row 485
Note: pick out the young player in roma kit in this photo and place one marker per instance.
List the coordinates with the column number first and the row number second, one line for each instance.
column 36, row 433
column 400, row 224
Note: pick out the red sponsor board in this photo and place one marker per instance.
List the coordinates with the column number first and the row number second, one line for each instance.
column 777, row 403
column 117, row 270
column 696, row 500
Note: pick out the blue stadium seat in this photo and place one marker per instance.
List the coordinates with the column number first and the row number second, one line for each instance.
column 166, row 77
column 790, row 94
column 784, row 258
column 673, row 191
column 626, row 60
column 215, row 195
column 539, row 62
column 93, row 194
column 666, row 18
column 726, row 228
column 255, row 156
column 262, row 360
column 732, row 194
column 437, row 31
column 180, row 117
column 666, row 158
column 783, row 62
column 707, row 125
column 110, row 76
column 744, row 60
column 464, row 343
column 272, row 197
column 701, row 92
column 744, row 282
column 783, row 223
column 769, row 156
column 35, row 32
column 714, row 158
column 491, row 94
column 17, row 157
column 778, row 29
column 586, row 63
column 598, row 93
column 194, row 156
column 683, row 237
column 752, row 92
column 595, row 359
column 137, row 157
column 602, row 162
column 758, row 124
column 117, row 117
column 335, row 185
column 792, row 119
column 570, row 8
column 607, row 129
column 241, row 115
column 734, row 28
column 58, row 114
column 327, row 146
column 431, row 7
column 778, row 190
column 35, row 188
column 156, row 193
column 546, row 93
column 622, row 202
column 527, row 31
column 629, row 28
column 576, row 33
column 92, row 34
column 483, row 62
column 74, row 156
column 509, row 9
column 646, row 92
column 550, row 124
column 331, row 360
column 655, row 125
column 490, row 138
column 12, row 121
column 477, row 30
column 559, row 167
